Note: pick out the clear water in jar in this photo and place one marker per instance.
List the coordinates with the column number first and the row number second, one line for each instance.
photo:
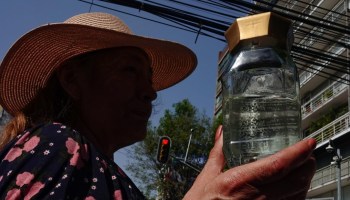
column 256, row 126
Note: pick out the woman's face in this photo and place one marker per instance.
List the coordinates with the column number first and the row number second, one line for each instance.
column 115, row 96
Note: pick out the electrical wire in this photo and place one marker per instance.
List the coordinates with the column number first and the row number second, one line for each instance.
column 211, row 18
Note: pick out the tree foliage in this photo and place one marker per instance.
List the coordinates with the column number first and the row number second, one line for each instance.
column 173, row 179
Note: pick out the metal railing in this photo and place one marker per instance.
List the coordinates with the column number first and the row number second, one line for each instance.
column 308, row 75
column 335, row 127
column 323, row 97
column 328, row 175
column 330, row 16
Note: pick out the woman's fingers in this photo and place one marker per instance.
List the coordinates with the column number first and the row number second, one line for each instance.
column 284, row 175
column 216, row 160
column 277, row 166
column 293, row 186
column 265, row 171
column 211, row 170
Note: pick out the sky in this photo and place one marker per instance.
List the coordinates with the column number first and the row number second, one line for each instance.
column 19, row 16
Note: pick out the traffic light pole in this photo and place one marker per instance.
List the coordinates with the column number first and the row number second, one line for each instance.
column 185, row 163
column 163, row 150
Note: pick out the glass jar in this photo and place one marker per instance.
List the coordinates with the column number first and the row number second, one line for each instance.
column 261, row 103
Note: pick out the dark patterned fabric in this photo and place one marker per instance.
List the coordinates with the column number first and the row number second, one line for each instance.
column 53, row 161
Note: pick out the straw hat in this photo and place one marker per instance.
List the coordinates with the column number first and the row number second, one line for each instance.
column 32, row 59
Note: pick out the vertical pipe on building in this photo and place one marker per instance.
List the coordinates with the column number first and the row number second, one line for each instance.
column 338, row 162
column 347, row 8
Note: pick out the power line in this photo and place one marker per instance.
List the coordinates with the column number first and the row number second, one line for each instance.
column 212, row 18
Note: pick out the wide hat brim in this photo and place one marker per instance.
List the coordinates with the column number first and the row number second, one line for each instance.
column 31, row 61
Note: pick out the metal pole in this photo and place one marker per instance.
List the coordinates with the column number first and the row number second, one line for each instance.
column 188, row 146
column 347, row 40
column 338, row 161
column 195, row 169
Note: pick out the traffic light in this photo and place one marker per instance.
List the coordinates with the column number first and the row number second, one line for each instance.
column 163, row 149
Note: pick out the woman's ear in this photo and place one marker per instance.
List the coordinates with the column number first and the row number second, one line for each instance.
column 68, row 76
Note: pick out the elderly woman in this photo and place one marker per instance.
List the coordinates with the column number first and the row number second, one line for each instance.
column 82, row 89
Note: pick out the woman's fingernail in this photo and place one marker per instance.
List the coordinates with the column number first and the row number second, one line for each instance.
column 312, row 143
column 218, row 132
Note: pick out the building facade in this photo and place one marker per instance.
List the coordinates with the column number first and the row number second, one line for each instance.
column 321, row 29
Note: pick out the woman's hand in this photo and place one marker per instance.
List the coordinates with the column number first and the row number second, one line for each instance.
column 284, row 175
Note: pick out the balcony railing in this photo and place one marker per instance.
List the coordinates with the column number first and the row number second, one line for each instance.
column 307, row 75
column 323, row 97
column 334, row 128
column 328, row 175
column 330, row 16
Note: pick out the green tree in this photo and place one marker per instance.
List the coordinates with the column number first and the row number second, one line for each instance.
column 217, row 121
column 173, row 179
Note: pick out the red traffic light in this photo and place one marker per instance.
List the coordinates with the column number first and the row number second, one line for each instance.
column 163, row 149
column 165, row 141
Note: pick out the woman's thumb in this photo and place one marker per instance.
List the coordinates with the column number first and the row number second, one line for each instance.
column 212, row 168
column 216, row 160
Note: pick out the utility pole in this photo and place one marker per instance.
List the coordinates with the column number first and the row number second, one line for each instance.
column 347, row 40
column 337, row 159
column 188, row 145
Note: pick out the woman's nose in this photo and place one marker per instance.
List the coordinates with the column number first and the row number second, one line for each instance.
column 151, row 95
column 147, row 91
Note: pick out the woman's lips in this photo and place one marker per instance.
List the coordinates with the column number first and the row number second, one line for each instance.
column 140, row 114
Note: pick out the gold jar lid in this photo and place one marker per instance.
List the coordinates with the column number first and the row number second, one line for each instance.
column 264, row 29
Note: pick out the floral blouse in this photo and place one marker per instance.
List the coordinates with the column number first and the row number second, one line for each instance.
column 53, row 161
